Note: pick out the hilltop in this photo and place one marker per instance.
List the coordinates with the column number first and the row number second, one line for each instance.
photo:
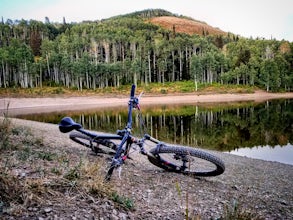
column 184, row 25
column 174, row 22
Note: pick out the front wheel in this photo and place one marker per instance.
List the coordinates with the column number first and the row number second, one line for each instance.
column 97, row 145
column 186, row 160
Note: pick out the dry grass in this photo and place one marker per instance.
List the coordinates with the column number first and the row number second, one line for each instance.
column 32, row 174
column 236, row 211
column 183, row 25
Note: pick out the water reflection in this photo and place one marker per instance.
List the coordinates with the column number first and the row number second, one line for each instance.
column 277, row 153
column 217, row 127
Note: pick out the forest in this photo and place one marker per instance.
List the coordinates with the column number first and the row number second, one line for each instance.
column 129, row 49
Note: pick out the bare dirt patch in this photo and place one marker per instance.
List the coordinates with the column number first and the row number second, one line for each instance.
column 183, row 25
column 50, row 104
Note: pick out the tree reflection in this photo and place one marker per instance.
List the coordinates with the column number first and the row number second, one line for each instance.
column 218, row 127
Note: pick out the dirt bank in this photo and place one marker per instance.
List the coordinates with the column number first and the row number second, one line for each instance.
column 31, row 105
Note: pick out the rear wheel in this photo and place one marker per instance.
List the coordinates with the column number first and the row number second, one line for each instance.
column 186, row 160
column 97, row 145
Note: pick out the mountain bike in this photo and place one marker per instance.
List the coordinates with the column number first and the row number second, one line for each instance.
column 173, row 158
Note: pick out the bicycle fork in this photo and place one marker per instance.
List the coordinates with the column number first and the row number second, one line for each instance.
column 118, row 160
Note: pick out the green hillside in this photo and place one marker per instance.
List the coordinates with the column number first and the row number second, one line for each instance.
column 136, row 48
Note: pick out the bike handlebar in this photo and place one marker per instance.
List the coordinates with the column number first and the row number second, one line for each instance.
column 133, row 103
column 132, row 91
column 148, row 137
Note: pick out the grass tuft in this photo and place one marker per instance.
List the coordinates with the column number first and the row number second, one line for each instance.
column 235, row 211
column 31, row 174
column 123, row 201
column 5, row 133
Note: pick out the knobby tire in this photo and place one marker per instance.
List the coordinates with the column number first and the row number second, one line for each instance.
column 160, row 157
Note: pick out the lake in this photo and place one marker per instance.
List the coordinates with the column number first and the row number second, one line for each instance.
column 262, row 130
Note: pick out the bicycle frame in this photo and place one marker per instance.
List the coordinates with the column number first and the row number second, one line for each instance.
column 155, row 155
column 67, row 125
column 127, row 138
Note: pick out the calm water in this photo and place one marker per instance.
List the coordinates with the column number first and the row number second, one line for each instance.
column 278, row 153
column 263, row 131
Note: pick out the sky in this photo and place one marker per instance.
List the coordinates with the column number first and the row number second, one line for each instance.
column 247, row 18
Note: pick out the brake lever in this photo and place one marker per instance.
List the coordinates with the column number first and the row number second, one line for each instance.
column 140, row 95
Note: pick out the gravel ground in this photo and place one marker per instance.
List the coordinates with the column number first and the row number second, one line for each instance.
column 260, row 189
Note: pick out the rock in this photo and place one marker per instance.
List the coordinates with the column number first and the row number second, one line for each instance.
column 114, row 212
column 114, row 217
column 235, row 187
column 47, row 210
column 122, row 216
column 283, row 202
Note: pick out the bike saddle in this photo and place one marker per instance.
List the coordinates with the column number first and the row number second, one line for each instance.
column 67, row 124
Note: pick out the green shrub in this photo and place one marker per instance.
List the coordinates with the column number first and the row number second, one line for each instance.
column 5, row 132
column 123, row 201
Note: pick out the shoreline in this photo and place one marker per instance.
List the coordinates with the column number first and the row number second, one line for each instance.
column 50, row 104
column 260, row 187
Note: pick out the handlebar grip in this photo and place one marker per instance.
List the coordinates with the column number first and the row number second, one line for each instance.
column 148, row 137
column 132, row 91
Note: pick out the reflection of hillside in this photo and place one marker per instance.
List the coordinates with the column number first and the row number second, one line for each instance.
column 214, row 127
